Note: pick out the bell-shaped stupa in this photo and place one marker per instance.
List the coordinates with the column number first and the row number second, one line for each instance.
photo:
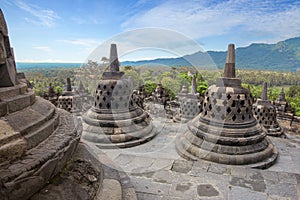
column 265, row 113
column 69, row 100
column 189, row 104
column 226, row 131
column 114, row 120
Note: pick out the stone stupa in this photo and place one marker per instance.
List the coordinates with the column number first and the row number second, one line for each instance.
column 226, row 131
column 69, row 100
column 36, row 138
column 114, row 120
column 265, row 113
column 189, row 104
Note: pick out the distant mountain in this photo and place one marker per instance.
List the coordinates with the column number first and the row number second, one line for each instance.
column 282, row 56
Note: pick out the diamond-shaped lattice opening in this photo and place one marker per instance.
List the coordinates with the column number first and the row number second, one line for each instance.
column 108, row 93
column 233, row 104
column 204, row 104
column 228, row 110
column 209, row 106
column 250, row 116
column 95, row 104
column 104, row 98
column 246, row 96
column 243, row 117
column 247, row 109
column 228, row 96
column 220, row 95
column 242, row 102
column 100, row 105
column 239, row 110
column 215, row 101
column 207, row 99
column 213, row 115
column 263, row 118
column 121, row 98
column 218, row 109
column 104, row 87
column 222, row 117
column 205, row 113
column 107, row 105
column 100, row 92
column 260, row 114
column 224, row 102
column 99, row 87
column 238, row 96
column 112, row 87
column 234, row 118
column 131, row 103
column 98, row 98
column 212, row 94
column 96, row 91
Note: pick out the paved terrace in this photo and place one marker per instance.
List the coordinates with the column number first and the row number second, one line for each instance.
column 157, row 172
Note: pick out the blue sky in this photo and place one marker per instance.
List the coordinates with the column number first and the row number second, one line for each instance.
column 69, row 30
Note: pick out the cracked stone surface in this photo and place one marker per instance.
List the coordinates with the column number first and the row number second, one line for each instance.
column 158, row 172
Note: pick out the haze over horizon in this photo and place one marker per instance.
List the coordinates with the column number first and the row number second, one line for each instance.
column 68, row 31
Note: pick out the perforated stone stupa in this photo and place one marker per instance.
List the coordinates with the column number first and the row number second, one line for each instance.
column 36, row 138
column 226, row 131
column 115, row 120
column 189, row 104
column 69, row 100
column 265, row 113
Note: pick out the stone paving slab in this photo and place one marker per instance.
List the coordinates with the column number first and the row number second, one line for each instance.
column 157, row 172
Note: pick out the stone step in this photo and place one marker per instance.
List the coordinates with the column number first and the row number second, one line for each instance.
column 7, row 134
column 22, row 178
column 9, row 92
column 42, row 132
column 30, row 119
column 16, row 103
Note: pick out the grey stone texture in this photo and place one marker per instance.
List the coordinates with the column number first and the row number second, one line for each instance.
column 226, row 131
column 36, row 139
column 115, row 120
column 175, row 178
column 8, row 75
column 265, row 113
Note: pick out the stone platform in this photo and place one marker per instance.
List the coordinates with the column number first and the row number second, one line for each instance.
column 158, row 172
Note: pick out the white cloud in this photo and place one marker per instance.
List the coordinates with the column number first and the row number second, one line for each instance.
column 85, row 42
column 199, row 19
column 43, row 48
column 45, row 17
column 87, row 20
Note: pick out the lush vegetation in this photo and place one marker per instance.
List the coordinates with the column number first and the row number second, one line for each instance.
column 172, row 78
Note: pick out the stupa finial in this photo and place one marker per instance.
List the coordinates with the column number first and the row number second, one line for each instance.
column 113, row 59
column 193, row 88
column 69, row 87
column 264, row 93
column 229, row 71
